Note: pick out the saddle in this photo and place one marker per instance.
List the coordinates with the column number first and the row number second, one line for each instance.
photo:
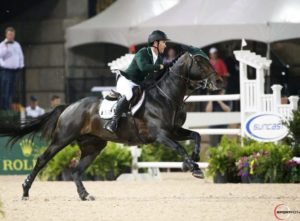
column 112, row 96
column 137, row 94
column 108, row 105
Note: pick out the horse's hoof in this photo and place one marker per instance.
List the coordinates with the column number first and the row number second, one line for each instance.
column 25, row 198
column 198, row 174
column 90, row 198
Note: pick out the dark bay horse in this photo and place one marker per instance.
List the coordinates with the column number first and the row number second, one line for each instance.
column 159, row 119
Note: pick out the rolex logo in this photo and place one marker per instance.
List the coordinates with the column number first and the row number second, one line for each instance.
column 26, row 147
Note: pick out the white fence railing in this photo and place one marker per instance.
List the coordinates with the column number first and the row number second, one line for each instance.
column 250, row 98
column 205, row 98
column 267, row 104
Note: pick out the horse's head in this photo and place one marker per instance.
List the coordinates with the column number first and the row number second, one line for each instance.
column 200, row 72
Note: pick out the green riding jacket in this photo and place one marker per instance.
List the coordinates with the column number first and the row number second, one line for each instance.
column 142, row 66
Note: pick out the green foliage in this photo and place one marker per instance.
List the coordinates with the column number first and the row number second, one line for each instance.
column 265, row 161
column 61, row 161
column 293, row 137
column 114, row 160
column 222, row 159
column 292, row 169
column 159, row 153
column 269, row 160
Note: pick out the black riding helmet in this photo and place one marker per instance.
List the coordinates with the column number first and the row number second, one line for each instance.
column 157, row 35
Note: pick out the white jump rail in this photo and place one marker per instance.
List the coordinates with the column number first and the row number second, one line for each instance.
column 218, row 131
column 205, row 98
column 166, row 165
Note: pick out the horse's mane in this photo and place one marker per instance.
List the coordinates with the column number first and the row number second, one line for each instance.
column 176, row 59
column 161, row 74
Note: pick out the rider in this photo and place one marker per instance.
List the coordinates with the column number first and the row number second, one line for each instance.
column 145, row 62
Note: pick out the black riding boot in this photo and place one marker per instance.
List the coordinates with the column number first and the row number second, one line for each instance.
column 122, row 106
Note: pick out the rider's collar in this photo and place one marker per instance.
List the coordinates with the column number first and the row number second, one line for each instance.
column 154, row 55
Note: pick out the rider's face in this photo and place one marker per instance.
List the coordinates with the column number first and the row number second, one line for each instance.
column 161, row 46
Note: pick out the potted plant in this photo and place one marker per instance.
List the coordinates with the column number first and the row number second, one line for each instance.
column 252, row 163
column 222, row 161
column 246, row 166
column 293, row 137
column 263, row 162
column 292, row 168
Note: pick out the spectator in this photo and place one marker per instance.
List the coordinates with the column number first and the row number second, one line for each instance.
column 11, row 61
column 132, row 49
column 54, row 102
column 233, row 85
column 33, row 110
column 218, row 64
column 217, row 106
column 171, row 55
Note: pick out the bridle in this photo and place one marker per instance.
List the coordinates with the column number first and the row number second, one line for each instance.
column 195, row 85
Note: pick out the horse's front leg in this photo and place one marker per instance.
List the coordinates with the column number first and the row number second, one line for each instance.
column 165, row 139
column 184, row 134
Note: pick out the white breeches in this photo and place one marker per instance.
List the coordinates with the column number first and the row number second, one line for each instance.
column 124, row 87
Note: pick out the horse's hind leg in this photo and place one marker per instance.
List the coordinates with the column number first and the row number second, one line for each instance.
column 60, row 139
column 56, row 145
column 90, row 147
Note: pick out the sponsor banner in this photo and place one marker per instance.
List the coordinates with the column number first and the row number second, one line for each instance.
column 265, row 127
column 20, row 159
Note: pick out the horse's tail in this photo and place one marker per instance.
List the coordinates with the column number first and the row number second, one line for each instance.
column 44, row 124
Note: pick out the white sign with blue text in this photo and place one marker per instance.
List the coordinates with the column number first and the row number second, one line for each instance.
column 265, row 127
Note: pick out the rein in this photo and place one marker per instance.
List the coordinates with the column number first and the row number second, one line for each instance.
column 203, row 84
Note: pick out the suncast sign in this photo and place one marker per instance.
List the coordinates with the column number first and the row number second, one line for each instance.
column 265, row 127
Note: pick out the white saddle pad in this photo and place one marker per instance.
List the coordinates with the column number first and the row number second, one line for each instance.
column 107, row 108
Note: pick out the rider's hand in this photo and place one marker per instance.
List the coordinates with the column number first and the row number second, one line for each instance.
column 161, row 67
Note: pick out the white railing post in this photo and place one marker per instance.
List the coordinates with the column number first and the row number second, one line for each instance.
column 293, row 102
column 22, row 115
column 135, row 153
column 276, row 88
column 260, row 89
column 243, row 79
